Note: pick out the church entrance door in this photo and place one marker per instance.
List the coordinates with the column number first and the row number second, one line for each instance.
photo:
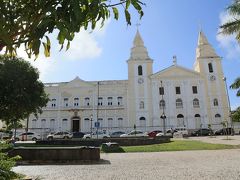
column 75, row 124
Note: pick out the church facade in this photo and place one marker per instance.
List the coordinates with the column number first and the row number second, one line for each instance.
column 173, row 97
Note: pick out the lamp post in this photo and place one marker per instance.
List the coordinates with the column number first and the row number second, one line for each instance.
column 225, row 81
column 91, row 119
column 163, row 116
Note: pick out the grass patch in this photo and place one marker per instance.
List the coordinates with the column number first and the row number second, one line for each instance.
column 178, row 145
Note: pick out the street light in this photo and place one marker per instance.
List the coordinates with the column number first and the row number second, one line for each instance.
column 225, row 81
column 91, row 119
column 163, row 116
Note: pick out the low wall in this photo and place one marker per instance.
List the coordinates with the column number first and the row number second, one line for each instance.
column 133, row 141
column 56, row 154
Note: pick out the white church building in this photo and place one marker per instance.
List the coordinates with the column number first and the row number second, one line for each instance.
column 172, row 97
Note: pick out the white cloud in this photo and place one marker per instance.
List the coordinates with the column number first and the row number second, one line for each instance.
column 228, row 42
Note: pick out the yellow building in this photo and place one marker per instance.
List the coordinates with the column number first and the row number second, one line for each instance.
column 173, row 97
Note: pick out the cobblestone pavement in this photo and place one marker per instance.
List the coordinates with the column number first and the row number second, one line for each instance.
column 181, row 165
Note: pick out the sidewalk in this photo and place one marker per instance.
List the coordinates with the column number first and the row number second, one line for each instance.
column 230, row 140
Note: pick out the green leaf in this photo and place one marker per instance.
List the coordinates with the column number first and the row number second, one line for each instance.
column 128, row 4
column 68, row 45
column 128, row 17
column 115, row 12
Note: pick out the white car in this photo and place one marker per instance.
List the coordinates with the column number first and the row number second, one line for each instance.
column 135, row 133
column 181, row 131
column 100, row 135
column 169, row 132
column 29, row 136
column 60, row 135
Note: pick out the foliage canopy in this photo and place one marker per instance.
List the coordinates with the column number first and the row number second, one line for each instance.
column 21, row 92
column 233, row 25
column 24, row 22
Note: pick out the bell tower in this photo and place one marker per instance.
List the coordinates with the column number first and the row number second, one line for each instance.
column 209, row 65
column 139, row 85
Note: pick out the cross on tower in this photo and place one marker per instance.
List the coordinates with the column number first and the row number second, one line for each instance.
column 138, row 24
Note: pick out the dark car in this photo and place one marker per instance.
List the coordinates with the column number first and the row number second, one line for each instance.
column 225, row 131
column 117, row 134
column 78, row 134
column 202, row 132
column 154, row 133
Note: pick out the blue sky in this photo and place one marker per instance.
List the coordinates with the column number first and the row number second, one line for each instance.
column 169, row 27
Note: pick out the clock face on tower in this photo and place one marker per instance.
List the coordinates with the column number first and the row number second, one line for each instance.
column 212, row 78
column 140, row 80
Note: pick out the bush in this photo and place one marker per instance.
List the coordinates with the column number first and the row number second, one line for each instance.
column 111, row 148
column 7, row 163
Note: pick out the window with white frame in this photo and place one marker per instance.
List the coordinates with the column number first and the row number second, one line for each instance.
column 76, row 102
column 43, row 123
column 120, row 122
column 179, row 103
column 65, row 102
column 215, row 102
column 64, row 125
column 120, row 101
column 142, row 121
column 141, row 105
column 162, row 104
column 53, row 102
column 195, row 103
column 100, row 101
column 110, row 99
column 100, row 120
column 87, row 101
column 110, row 122
column 34, row 123
column 52, row 124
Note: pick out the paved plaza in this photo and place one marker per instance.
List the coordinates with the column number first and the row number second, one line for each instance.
column 181, row 165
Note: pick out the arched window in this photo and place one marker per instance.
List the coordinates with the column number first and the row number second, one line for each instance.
column 198, row 123
column 120, row 122
column 34, row 123
column 180, row 120
column 87, row 101
column 76, row 101
column 162, row 104
column 210, row 67
column 215, row 102
column 43, row 123
column 195, row 103
column 110, row 99
column 52, row 124
column 217, row 115
column 142, row 118
column 197, row 115
column 141, row 105
column 142, row 122
column 54, row 102
column 120, row 101
column 179, row 103
column 140, row 70
column 217, row 118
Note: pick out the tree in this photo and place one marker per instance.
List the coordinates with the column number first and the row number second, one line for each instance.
column 233, row 25
column 24, row 22
column 236, row 115
column 21, row 93
column 236, row 85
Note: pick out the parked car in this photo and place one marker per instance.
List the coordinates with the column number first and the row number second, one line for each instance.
column 202, row 132
column 224, row 131
column 154, row 133
column 169, row 132
column 29, row 136
column 117, row 134
column 135, row 133
column 180, row 131
column 60, row 135
column 78, row 134
column 99, row 135
column 5, row 135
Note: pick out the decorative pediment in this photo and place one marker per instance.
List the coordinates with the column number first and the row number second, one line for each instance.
column 77, row 82
column 176, row 72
